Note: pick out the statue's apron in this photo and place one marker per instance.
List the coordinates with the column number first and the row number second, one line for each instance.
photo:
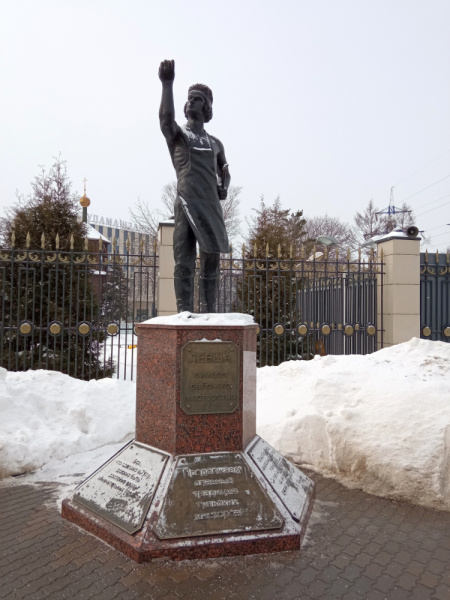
column 195, row 165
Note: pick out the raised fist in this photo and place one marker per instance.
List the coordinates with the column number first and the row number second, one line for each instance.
column 167, row 70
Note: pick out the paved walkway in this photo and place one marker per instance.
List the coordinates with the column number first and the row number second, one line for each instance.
column 358, row 547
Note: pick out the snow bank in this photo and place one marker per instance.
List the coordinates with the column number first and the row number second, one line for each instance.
column 46, row 416
column 187, row 318
column 379, row 422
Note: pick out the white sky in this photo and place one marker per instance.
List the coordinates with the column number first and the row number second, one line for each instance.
column 326, row 102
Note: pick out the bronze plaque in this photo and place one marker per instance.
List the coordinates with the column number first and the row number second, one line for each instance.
column 122, row 490
column 215, row 494
column 209, row 378
column 292, row 486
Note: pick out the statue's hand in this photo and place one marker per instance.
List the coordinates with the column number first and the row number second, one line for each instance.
column 222, row 193
column 167, row 70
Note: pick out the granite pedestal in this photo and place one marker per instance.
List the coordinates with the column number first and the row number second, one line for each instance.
column 197, row 481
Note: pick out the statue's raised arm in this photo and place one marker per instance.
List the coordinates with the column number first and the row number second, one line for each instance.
column 203, row 178
column 167, row 109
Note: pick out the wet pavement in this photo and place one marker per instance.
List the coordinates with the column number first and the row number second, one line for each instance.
column 357, row 547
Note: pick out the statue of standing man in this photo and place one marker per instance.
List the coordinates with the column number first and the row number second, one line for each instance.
column 203, row 180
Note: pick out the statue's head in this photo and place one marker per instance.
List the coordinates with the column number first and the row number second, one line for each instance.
column 200, row 99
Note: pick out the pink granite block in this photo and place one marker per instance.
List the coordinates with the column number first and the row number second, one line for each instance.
column 160, row 422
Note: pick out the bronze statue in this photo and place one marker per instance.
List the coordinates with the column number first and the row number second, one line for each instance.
column 203, row 180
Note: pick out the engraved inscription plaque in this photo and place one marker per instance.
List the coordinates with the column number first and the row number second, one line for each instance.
column 291, row 485
column 209, row 378
column 214, row 494
column 122, row 490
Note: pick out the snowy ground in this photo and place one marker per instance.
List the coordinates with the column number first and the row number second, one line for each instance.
column 46, row 415
column 379, row 422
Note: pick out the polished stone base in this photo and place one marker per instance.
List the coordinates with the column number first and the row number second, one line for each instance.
column 145, row 545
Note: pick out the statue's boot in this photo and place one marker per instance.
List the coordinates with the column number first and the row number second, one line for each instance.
column 184, row 293
column 209, row 289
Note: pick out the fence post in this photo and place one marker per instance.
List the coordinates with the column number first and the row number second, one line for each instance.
column 166, row 293
column 401, row 288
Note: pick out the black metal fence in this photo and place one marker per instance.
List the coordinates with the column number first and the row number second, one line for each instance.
column 435, row 296
column 306, row 307
column 74, row 312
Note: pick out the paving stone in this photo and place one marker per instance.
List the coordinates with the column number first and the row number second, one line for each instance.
column 364, row 548
column 406, row 581
column 362, row 585
column 403, row 557
column 329, row 574
column 421, row 593
column 352, row 572
column 373, row 571
column 385, row 583
column 342, row 561
column 375, row 595
column 362, row 560
column 398, row 594
column 317, row 589
column 395, row 569
column 382, row 558
column 442, row 592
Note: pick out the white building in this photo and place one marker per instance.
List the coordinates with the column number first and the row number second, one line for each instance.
column 121, row 231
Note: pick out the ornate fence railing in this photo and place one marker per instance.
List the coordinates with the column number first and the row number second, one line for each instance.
column 74, row 312
column 435, row 296
column 306, row 307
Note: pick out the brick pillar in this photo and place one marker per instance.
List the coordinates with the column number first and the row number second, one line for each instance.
column 401, row 289
column 166, row 293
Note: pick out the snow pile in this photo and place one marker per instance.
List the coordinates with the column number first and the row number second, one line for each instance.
column 46, row 416
column 379, row 422
column 187, row 318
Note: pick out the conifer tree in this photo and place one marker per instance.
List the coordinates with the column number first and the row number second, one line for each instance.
column 274, row 234
column 45, row 288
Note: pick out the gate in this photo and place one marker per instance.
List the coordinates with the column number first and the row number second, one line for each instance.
column 74, row 312
column 305, row 307
column 435, row 296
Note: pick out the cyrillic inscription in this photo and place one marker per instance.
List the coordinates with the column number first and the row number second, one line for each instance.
column 209, row 377
column 197, row 505
column 122, row 489
column 292, row 486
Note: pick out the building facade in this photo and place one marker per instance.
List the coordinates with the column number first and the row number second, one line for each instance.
column 121, row 231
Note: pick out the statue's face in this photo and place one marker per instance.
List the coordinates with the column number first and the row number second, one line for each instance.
column 195, row 104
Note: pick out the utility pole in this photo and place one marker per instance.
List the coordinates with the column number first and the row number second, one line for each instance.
column 391, row 210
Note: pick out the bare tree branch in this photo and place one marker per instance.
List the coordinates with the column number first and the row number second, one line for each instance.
column 148, row 219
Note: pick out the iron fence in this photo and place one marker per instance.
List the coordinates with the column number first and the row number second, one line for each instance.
column 304, row 307
column 435, row 296
column 74, row 312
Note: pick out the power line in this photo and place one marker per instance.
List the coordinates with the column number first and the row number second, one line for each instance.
column 439, row 234
column 431, row 209
column 446, row 177
column 434, row 228
column 421, row 168
column 428, row 203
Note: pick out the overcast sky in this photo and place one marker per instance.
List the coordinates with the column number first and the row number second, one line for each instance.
column 326, row 103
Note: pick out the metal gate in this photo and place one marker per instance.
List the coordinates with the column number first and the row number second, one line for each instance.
column 74, row 312
column 435, row 296
column 306, row 307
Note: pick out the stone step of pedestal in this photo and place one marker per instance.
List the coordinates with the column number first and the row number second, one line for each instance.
column 211, row 504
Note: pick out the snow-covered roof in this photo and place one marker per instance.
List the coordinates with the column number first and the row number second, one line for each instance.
column 396, row 234
column 93, row 234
